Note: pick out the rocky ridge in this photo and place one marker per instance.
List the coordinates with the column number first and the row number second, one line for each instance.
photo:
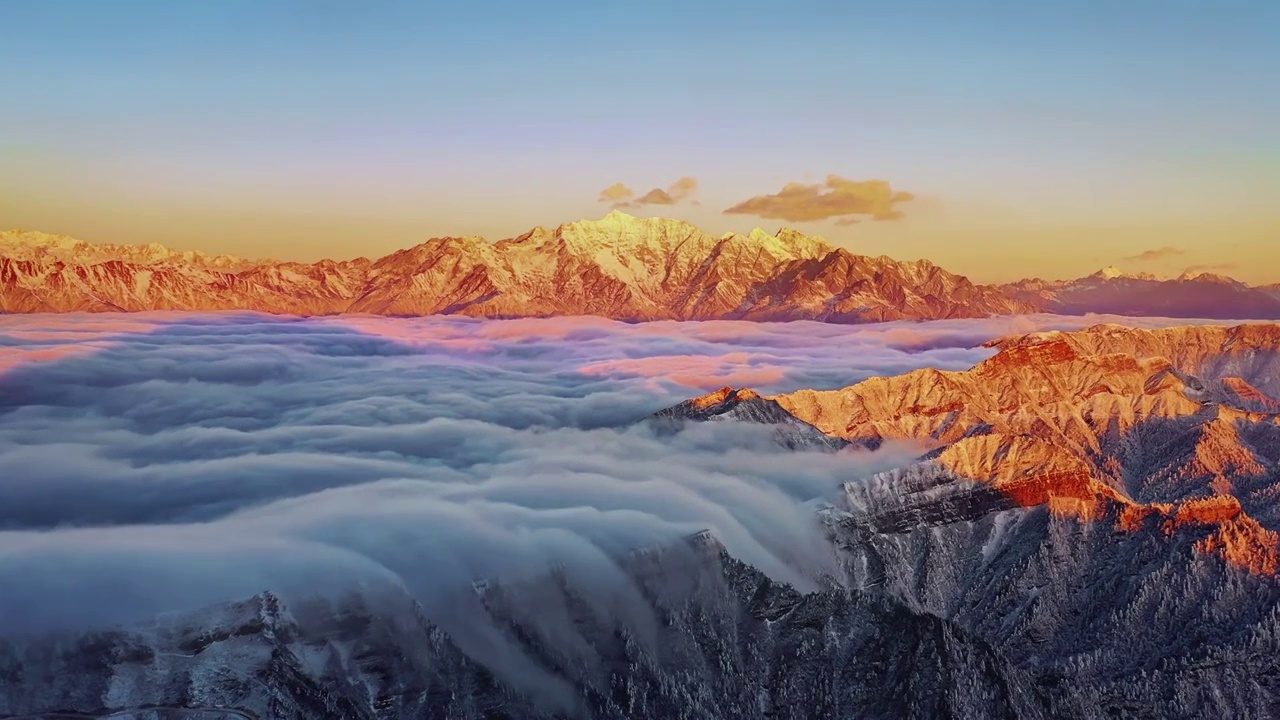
column 746, row 405
column 712, row 638
column 1066, row 420
column 1101, row 505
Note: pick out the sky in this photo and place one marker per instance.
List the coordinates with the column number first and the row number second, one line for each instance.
column 1045, row 139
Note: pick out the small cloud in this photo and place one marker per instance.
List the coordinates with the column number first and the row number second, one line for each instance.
column 617, row 193
column 656, row 196
column 1209, row 268
column 683, row 188
column 1155, row 254
column 622, row 196
column 846, row 221
column 838, row 197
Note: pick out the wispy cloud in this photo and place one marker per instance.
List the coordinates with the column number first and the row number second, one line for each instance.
column 616, row 193
column 838, row 197
column 1209, row 268
column 1154, row 254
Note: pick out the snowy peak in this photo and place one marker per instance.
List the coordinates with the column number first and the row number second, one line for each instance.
column 720, row 403
column 747, row 405
column 1111, row 272
column 1194, row 294
column 39, row 246
column 787, row 244
column 619, row 228
column 1206, row 276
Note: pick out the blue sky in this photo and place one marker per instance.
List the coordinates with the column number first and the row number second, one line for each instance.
column 309, row 129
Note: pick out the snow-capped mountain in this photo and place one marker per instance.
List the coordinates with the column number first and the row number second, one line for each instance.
column 1152, row 426
column 746, row 405
column 620, row 267
column 1112, row 291
column 1101, row 505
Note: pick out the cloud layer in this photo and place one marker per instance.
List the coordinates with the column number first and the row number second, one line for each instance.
column 848, row 200
column 164, row 461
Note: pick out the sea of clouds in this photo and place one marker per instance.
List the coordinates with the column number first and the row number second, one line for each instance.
column 157, row 462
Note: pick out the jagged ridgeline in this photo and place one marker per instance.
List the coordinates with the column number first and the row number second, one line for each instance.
column 710, row 638
column 1101, row 506
column 619, row 267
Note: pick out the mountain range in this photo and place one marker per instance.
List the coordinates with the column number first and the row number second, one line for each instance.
column 1175, row 427
column 1101, row 505
column 620, row 267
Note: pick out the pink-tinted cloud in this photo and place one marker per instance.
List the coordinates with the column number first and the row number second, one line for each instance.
column 11, row 357
column 703, row 372
column 417, row 332
column 46, row 338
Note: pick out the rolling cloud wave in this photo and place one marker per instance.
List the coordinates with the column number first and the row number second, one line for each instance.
column 163, row 461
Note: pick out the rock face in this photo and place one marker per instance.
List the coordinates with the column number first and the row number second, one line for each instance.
column 746, row 405
column 717, row 639
column 619, row 267
column 1108, row 420
column 1191, row 295
column 1101, row 505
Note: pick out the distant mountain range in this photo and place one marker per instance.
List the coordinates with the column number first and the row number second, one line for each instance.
column 620, row 267
column 1109, row 291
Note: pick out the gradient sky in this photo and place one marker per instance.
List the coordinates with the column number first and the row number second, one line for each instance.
column 1043, row 139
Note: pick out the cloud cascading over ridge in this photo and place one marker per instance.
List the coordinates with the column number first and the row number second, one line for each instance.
column 838, row 197
column 166, row 461
column 621, row 196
